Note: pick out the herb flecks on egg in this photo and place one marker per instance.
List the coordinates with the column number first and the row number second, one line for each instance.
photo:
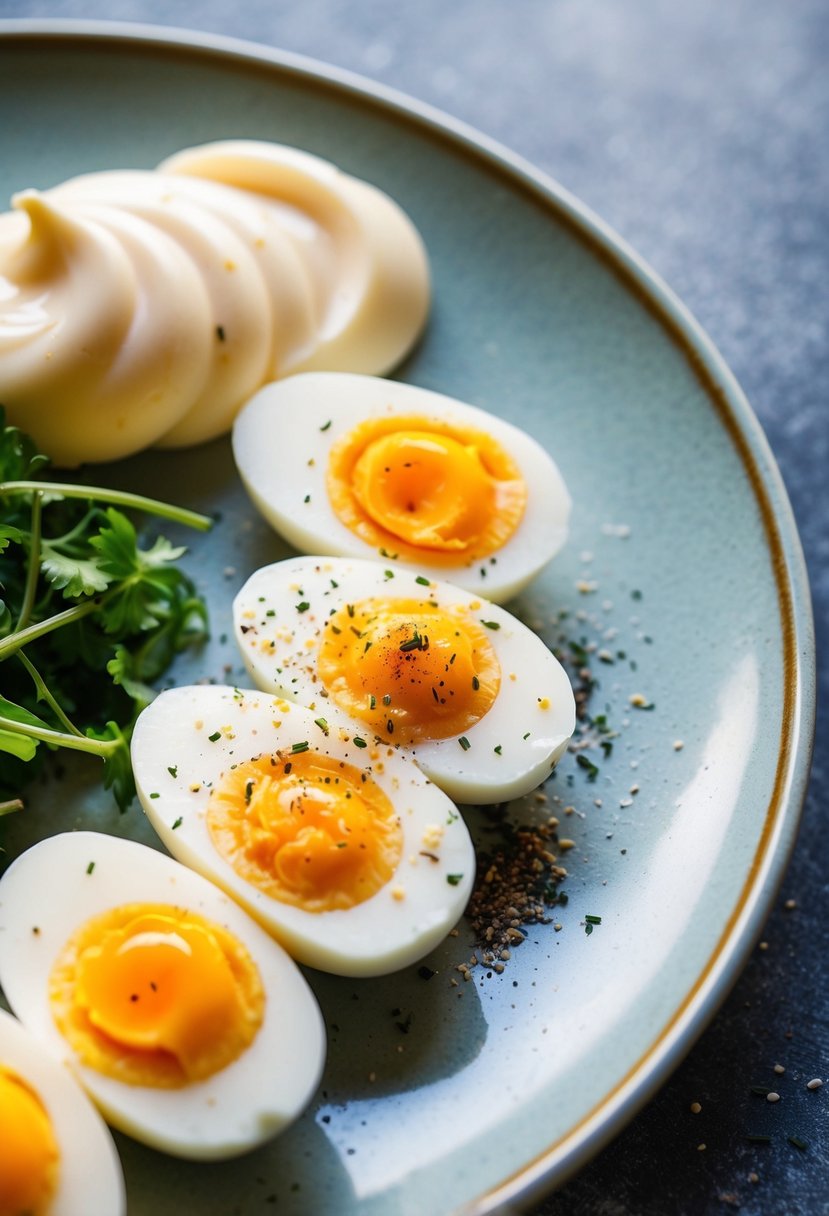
column 441, row 664
column 316, row 833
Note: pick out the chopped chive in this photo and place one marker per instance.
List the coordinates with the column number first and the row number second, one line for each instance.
column 177, row 823
column 248, row 792
column 334, row 583
column 303, row 606
column 797, row 1142
column 172, row 769
column 358, row 742
column 453, row 879
column 372, row 701
column 491, row 624
column 414, row 643
column 592, row 769
column 593, row 920
column 217, row 734
column 350, row 609
column 464, row 742
column 90, row 867
column 322, row 724
column 155, row 795
column 424, row 582
column 758, row 1139
column 497, row 749
column 385, row 553
column 299, row 747
column 526, row 736
column 387, row 574
column 325, row 425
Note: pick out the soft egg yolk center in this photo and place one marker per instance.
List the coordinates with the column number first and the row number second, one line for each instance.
column 430, row 490
column 157, row 983
column 410, row 669
column 426, row 487
column 156, row 995
column 29, row 1156
column 309, row 830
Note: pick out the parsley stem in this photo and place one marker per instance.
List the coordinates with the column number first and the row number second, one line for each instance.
column 21, row 637
column 34, row 564
column 79, row 743
column 119, row 498
column 43, row 694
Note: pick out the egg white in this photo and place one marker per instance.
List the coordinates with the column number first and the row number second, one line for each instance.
column 281, row 443
column 59, row 884
column 175, row 761
column 530, row 722
column 90, row 1178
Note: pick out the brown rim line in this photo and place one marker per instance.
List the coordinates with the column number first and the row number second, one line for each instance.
column 753, row 901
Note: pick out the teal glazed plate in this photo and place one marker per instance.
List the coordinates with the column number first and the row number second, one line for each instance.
column 681, row 593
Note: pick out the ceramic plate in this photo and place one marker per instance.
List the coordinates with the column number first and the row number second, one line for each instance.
column 683, row 581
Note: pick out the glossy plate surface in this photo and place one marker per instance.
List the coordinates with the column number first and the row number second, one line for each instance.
column 683, row 568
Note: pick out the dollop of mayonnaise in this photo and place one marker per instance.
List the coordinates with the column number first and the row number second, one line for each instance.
column 145, row 307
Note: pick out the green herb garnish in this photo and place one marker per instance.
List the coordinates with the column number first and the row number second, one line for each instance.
column 88, row 619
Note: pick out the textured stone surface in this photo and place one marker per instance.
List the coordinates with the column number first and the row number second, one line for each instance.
column 700, row 133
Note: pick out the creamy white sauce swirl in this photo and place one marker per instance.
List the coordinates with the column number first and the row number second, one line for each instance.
column 145, row 307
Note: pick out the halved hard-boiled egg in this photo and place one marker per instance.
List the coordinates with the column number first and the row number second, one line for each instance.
column 57, row 1157
column 359, row 466
column 337, row 844
column 477, row 698
column 189, row 1027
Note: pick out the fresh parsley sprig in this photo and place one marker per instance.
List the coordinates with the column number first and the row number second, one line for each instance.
column 89, row 618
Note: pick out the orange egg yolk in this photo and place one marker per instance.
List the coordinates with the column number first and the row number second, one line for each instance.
column 156, row 995
column 411, row 670
column 309, row 830
column 426, row 488
column 29, row 1155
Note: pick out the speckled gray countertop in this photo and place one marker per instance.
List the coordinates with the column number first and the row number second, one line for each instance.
column 699, row 132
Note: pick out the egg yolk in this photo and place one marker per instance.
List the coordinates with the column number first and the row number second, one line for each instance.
column 410, row 669
column 156, row 995
column 308, row 830
column 427, row 488
column 29, row 1156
